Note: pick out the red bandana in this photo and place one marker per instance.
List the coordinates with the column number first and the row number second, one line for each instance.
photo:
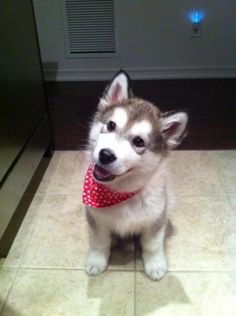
column 98, row 195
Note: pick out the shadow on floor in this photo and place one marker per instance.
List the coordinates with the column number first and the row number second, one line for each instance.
column 153, row 296
column 6, row 310
column 147, row 297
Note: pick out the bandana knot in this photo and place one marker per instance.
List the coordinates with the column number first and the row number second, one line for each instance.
column 98, row 195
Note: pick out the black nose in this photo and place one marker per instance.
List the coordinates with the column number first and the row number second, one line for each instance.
column 106, row 156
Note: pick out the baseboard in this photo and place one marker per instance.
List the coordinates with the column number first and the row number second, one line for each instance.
column 141, row 73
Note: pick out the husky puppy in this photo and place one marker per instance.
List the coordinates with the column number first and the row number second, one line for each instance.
column 126, row 187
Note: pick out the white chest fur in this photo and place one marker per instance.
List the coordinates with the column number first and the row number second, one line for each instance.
column 131, row 216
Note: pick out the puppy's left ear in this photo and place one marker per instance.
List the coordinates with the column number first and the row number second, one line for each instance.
column 173, row 128
column 117, row 90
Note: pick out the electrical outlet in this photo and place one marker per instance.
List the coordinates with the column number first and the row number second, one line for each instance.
column 196, row 30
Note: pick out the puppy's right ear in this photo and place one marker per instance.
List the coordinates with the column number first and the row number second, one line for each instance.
column 116, row 91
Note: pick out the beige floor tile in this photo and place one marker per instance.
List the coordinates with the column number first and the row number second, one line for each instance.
column 225, row 164
column 232, row 199
column 60, row 238
column 70, row 172
column 193, row 173
column 54, row 293
column 203, row 237
column 6, row 279
column 186, row 294
column 17, row 249
column 48, row 177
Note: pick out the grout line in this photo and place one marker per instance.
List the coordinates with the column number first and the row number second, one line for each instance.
column 135, row 291
column 229, row 202
column 31, row 231
column 218, row 177
column 177, row 195
column 9, row 290
column 17, row 268
column 194, row 271
column 224, row 190
column 203, row 271
column 135, row 278
column 113, row 270
column 67, row 269
column 201, row 195
column 221, row 182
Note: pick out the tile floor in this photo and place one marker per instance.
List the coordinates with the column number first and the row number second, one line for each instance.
column 43, row 274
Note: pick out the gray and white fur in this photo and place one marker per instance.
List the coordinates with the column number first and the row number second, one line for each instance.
column 138, row 165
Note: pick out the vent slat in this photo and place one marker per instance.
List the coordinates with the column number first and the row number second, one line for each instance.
column 91, row 35
column 102, row 14
column 87, row 30
column 88, row 5
column 91, row 38
column 90, row 26
column 94, row 44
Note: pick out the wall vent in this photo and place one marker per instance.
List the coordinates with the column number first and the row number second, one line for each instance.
column 89, row 27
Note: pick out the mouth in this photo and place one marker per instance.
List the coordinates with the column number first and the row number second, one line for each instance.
column 101, row 174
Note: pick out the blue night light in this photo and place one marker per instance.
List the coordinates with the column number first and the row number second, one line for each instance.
column 195, row 16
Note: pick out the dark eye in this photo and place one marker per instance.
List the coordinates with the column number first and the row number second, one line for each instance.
column 138, row 142
column 111, row 126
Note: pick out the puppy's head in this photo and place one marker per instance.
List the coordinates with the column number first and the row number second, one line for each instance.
column 130, row 136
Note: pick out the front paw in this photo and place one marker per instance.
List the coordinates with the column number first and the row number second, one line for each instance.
column 155, row 267
column 96, row 263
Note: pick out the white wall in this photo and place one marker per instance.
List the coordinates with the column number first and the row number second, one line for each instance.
column 153, row 40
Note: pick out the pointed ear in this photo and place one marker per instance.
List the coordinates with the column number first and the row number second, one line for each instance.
column 116, row 91
column 173, row 128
